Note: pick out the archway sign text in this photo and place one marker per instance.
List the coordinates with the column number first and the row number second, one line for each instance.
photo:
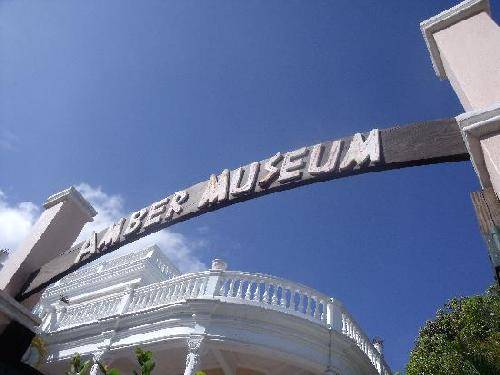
column 376, row 150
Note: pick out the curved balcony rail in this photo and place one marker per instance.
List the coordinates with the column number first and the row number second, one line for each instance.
column 230, row 286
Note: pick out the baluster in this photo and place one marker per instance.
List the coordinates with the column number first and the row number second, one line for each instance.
column 316, row 308
column 132, row 303
column 192, row 287
column 101, row 309
column 178, row 291
column 162, row 294
column 182, row 290
column 137, row 305
column 152, row 297
column 248, row 294
column 323, row 311
column 159, row 292
column 205, row 285
column 231, row 287
column 300, row 305
column 258, row 291
column 139, row 300
column 283, row 297
column 239, row 294
column 221, row 288
column 149, row 297
column 274, row 299
column 308, row 305
column 196, row 287
column 187, row 288
column 145, row 297
column 175, row 290
column 265, row 297
column 173, row 294
column 170, row 291
column 200, row 287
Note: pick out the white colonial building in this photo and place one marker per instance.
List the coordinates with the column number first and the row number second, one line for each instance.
column 218, row 321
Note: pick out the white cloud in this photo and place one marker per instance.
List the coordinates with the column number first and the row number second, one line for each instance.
column 17, row 219
column 177, row 247
column 15, row 222
column 8, row 140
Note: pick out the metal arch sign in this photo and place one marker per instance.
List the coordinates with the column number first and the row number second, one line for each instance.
column 377, row 150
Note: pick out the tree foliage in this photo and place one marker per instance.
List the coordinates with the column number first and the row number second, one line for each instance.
column 77, row 367
column 463, row 339
column 145, row 359
column 106, row 370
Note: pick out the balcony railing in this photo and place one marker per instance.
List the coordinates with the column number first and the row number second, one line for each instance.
column 229, row 286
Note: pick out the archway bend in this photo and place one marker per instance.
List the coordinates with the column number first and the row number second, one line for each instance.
column 422, row 143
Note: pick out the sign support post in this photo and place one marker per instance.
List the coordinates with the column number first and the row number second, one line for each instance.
column 464, row 45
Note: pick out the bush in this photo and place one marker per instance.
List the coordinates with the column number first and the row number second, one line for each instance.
column 463, row 339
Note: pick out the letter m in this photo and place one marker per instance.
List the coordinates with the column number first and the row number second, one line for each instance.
column 112, row 235
column 361, row 151
column 217, row 189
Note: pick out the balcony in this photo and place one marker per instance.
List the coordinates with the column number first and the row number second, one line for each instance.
column 227, row 308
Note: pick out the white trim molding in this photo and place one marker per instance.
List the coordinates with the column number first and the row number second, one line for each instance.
column 445, row 19
column 477, row 125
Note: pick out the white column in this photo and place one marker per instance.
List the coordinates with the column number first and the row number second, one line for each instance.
column 216, row 271
column 193, row 357
column 334, row 314
column 54, row 232
column 464, row 43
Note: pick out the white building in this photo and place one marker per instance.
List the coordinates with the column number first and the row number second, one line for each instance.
column 218, row 321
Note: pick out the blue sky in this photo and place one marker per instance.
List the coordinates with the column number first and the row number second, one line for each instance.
column 140, row 99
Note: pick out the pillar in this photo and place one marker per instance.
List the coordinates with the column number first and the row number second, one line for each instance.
column 464, row 44
column 55, row 231
column 193, row 357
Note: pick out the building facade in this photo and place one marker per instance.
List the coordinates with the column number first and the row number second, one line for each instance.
column 218, row 321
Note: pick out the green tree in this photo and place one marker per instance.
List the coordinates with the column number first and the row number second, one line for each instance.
column 145, row 359
column 77, row 367
column 463, row 339
column 106, row 370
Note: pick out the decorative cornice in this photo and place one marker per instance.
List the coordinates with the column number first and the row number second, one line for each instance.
column 74, row 195
column 445, row 19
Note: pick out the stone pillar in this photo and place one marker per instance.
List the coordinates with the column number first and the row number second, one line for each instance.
column 193, row 357
column 216, row 271
column 334, row 310
column 55, row 231
column 464, row 44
